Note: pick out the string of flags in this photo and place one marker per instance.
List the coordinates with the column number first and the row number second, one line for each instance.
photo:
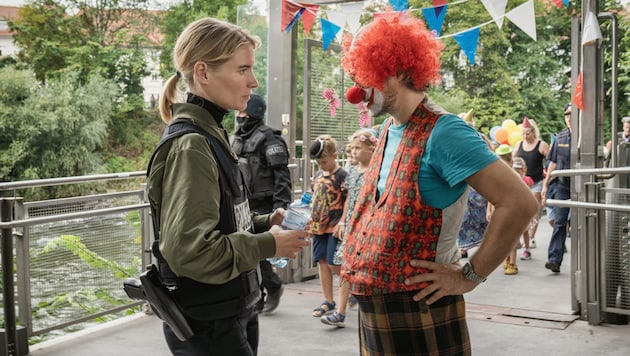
column 347, row 19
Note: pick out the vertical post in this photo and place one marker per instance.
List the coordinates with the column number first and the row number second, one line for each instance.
column 281, row 74
column 6, row 212
column 590, row 244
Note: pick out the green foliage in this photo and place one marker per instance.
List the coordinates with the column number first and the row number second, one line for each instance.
column 74, row 245
column 55, row 130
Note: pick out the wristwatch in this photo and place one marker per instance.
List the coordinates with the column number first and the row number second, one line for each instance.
column 470, row 274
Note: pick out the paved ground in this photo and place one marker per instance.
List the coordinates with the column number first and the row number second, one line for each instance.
column 526, row 314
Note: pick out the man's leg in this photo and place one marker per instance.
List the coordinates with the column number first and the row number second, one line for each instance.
column 556, row 245
column 273, row 284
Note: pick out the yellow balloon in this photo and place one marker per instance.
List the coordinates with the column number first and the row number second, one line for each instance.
column 514, row 137
column 508, row 124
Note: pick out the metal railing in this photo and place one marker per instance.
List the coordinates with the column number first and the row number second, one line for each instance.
column 600, row 243
column 70, row 256
column 63, row 260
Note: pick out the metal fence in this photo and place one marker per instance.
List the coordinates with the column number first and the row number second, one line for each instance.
column 70, row 255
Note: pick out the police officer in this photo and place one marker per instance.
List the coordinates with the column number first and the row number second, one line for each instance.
column 263, row 159
column 558, row 188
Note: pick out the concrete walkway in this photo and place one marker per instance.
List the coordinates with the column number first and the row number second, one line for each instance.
column 526, row 314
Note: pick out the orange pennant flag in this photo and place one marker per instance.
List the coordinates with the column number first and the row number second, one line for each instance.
column 308, row 16
column 578, row 100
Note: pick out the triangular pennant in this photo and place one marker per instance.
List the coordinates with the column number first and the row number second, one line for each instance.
column 578, row 98
column 558, row 3
column 565, row 3
column 439, row 2
column 290, row 11
column 329, row 31
column 468, row 43
column 295, row 20
column 399, row 5
column 591, row 32
column 496, row 9
column 308, row 16
column 353, row 13
column 435, row 18
column 524, row 17
column 339, row 19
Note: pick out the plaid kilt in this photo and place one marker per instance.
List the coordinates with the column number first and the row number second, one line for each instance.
column 394, row 324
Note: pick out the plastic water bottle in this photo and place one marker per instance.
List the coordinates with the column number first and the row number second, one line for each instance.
column 296, row 218
column 279, row 262
column 298, row 214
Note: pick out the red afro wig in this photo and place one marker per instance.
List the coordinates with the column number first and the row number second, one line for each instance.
column 390, row 46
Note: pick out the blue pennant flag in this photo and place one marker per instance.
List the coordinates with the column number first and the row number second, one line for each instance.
column 295, row 20
column 329, row 31
column 435, row 18
column 566, row 3
column 399, row 5
column 468, row 43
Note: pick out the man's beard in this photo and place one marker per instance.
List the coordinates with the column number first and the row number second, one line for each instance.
column 377, row 108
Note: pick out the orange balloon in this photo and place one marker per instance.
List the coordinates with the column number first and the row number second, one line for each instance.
column 501, row 135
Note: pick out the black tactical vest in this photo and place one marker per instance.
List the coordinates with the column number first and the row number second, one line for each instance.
column 206, row 300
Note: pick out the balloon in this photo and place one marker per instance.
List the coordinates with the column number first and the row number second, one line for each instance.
column 501, row 135
column 514, row 137
column 492, row 131
column 519, row 127
column 508, row 124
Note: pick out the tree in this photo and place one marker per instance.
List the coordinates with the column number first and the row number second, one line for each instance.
column 180, row 15
column 53, row 130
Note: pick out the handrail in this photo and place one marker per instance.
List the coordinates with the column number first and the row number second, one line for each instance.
column 68, row 216
column 4, row 186
column 583, row 205
column 590, row 171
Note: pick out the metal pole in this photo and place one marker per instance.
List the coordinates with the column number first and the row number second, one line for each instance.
column 6, row 210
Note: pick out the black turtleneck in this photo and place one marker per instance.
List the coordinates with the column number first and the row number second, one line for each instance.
column 216, row 112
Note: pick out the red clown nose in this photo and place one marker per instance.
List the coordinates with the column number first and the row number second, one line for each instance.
column 356, row 95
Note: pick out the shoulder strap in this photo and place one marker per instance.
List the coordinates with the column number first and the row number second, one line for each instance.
column 181, row 127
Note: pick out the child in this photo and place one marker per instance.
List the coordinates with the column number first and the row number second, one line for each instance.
column 520, row 167
column 329, row 196
column 362, row 144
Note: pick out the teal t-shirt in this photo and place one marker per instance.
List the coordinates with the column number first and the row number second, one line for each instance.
column 454, row 152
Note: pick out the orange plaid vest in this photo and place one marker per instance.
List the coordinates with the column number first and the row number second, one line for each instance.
column 384, row 235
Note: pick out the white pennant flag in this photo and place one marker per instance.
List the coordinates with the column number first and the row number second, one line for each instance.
column 339, row 19
column 524, row 17
column 353, row 13
column 591, row 31
column 496, row 8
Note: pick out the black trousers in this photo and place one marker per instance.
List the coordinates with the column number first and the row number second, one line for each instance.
column 235, row 336
column 270, row 280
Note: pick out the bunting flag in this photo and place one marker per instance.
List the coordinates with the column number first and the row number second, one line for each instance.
column 291, row 12
column 591, row 32
column 399, row 5
column 559, row 3
column 329, row 31
column 565, row 3
column 467, row 41
column 339, row 18
column 496, row 9
column 353, row 13
column 308, row 17
column 578, row 99
column 524, row 17
column 435, row 18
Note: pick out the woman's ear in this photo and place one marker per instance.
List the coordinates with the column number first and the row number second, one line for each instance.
column 200, row 71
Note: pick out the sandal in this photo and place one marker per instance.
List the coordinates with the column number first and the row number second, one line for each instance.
column 324, row 309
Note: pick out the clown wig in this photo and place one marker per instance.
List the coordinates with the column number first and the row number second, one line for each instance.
column 391, row 46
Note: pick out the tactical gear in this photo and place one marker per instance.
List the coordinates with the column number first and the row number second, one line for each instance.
column 200, row 299
column 262, row 151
